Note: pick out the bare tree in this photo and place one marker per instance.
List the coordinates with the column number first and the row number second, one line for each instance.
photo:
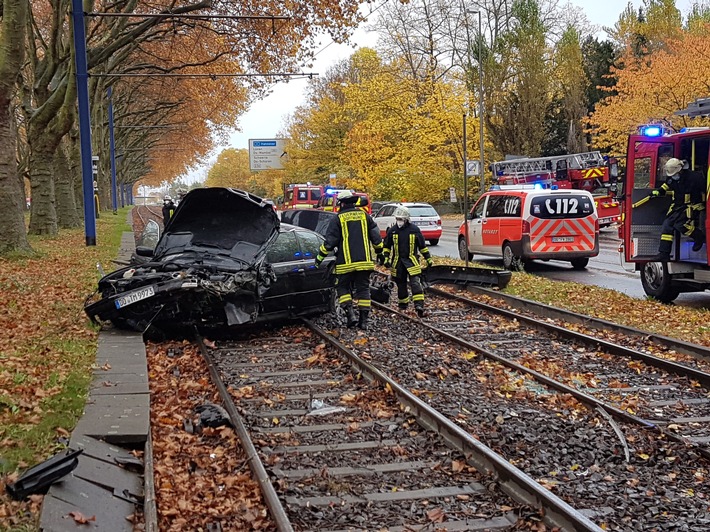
column 13, row 236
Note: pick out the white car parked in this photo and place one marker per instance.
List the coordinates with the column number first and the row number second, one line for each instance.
column 422, row 215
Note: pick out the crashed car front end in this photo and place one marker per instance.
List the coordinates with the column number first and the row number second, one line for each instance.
column 180, row 293
column 208, row 269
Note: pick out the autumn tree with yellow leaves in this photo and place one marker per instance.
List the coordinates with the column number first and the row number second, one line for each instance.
column 668, row 79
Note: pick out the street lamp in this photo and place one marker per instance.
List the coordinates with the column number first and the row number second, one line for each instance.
column 480, row 98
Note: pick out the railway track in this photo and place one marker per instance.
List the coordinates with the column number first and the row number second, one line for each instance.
column 333, row 451
column 629, row 382
column 341, row 453
column 640, row 480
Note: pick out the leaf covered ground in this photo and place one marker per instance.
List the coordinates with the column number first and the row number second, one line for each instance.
column 48, row 346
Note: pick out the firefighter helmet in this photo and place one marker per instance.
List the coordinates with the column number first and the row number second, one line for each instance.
column 673, row 166
column 402, row 212
column 345, row 196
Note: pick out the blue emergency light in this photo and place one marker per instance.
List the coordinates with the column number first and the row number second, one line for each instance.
column 538, row 186
column 329, row 191
column 652, row 131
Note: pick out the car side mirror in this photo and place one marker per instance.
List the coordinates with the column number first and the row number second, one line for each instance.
column 144, row 251
column 471, row 216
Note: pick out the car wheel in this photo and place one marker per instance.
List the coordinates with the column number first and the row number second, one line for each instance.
column 656, row 282
column 434, row 242
column 580, row 264
column 510, row 260
column 463, row 250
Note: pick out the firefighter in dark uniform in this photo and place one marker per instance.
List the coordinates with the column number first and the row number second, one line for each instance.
column 351, row 233
column 168, row 209
column 688, row 191
column 403, row 242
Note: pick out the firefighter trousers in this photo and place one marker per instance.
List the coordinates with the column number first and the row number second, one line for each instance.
column 354, row 285
column 402, row 278
column 678, row 221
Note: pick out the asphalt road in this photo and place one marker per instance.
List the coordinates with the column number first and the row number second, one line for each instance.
column 603, row 270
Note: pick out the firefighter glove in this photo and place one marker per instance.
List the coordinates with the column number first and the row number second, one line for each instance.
column 380, row 259
column 387, row 263
column 429, row 262
column 655, row 193
column 319, row 260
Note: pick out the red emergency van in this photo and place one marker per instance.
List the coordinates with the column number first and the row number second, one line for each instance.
column 523, row 223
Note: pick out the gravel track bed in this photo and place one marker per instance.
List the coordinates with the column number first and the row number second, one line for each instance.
column 634, row 342
column 628, row 384
column 551, row 437
column 373, row 423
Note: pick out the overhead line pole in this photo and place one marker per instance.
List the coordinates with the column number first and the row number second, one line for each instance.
column 82, row 82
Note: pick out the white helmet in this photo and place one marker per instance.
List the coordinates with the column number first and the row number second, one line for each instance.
column 167, row 198
column 345, row 195
column 402, row 212
column 673, row 166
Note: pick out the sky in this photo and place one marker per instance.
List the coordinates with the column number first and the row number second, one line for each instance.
column 266, row 117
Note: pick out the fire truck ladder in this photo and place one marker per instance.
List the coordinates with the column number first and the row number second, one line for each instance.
column 542, row 164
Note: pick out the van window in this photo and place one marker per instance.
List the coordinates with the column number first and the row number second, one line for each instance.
column 561, row 206
column 477, row 211
column 315, row 194
column 504, row 207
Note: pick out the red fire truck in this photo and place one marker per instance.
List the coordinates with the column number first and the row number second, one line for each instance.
column 301, row 196
column 647, row 153
column 588, row 171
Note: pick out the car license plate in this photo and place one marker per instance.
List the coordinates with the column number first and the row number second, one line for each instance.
column 560, row 239
column 135, row 296
column 605, row 220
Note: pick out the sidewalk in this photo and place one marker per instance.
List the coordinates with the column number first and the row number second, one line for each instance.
column 116, row 420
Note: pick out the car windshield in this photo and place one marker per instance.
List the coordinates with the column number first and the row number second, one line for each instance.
column 422, row 210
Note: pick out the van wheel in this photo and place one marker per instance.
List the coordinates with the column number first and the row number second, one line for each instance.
column 463, row 250
column 580, row 264
column 510, row 261
column 656, row 282
column 434, row 242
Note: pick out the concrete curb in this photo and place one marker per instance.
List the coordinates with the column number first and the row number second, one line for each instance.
column 108, row 483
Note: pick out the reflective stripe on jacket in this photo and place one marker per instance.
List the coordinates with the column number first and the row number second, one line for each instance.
column 352, row 232
column 403, row 243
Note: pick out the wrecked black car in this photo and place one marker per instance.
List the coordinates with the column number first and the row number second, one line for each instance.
column 223, row 260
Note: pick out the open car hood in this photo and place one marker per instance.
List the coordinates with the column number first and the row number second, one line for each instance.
column 222, row 221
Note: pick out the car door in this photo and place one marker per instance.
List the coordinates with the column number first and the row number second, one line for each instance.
column 311, row 287
column 476, row 224
column 491, row 238
column 284, row 256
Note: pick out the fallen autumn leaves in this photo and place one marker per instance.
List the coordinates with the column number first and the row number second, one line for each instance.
column 202, row 476
column 48, row 347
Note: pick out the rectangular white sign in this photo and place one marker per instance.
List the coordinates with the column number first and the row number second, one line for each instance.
column 266, row 154
column 472, row 168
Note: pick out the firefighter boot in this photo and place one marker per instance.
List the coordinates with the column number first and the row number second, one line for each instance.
column 350, row 315
column 698, row 240
column 364, row 318
column 420, row 311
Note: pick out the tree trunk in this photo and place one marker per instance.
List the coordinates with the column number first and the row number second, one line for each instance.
column 67, row 213
column 13, row 234
column 75, row 169
column 43, row 220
